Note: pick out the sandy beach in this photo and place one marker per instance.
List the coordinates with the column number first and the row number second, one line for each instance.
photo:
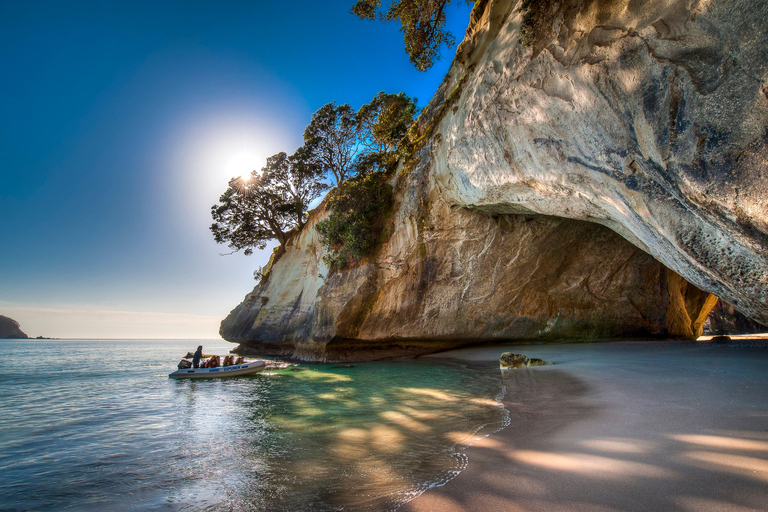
column 635, row 426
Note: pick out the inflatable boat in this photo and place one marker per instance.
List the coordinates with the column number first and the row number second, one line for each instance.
column 222, row 371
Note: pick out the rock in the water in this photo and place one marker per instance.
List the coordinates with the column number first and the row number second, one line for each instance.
column 512, row 360
column 10, row 329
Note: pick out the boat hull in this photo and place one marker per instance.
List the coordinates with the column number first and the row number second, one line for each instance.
column 223, row 371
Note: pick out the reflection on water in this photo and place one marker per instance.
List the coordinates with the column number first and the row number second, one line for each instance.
column 89, row 429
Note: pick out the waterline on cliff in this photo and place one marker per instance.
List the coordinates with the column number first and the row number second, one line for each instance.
column 96, row 424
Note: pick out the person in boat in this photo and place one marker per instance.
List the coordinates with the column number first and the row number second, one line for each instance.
column 197, row 356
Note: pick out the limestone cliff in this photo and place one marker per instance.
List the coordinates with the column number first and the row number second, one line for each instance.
column 451, row 277
column 645, row 117
column 724, row 320
column 9, row 328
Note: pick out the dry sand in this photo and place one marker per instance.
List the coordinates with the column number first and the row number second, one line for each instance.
column 637, row 426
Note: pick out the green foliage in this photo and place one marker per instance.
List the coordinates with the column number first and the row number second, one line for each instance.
column 422, row 23
column 358, row 213
column 297, row 179
column 339, row 142
column 266, row 206
column 331, row 140
column 384, row 122
column 249, row 214
column 345, row 143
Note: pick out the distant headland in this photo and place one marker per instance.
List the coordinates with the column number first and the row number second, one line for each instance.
column 9, row 328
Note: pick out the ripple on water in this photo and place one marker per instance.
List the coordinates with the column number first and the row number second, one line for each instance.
column 90, row 428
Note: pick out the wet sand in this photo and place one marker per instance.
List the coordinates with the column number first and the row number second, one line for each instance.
column 637, row 426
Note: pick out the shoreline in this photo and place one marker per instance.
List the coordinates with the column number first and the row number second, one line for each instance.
column 621, row 426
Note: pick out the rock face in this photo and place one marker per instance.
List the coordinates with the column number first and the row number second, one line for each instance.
column 645, row 117
column 9, row 329
column 449, row 277
column 724, row 319
column 512, row 360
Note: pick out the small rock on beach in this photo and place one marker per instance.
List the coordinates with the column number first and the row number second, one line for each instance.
column 513, row 360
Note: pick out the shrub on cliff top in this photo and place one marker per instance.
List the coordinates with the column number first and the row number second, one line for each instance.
column 358, row 213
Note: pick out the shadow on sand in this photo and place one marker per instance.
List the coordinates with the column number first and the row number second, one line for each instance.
column 562, row 452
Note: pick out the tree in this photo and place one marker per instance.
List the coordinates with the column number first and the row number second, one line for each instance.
column 267, row 206
column 382, row 127
column 331, row 140
column 383, row 123
column 249, row 214
column 338, row 142
column 422, row 23
column 297, row 179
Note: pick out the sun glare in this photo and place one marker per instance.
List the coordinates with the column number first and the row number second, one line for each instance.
column 216, row 149
column 239, row 165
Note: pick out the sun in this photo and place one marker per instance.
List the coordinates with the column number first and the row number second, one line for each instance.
column 240, row 165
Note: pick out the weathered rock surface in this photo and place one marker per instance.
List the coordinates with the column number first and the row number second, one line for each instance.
column 512, row 360
column 449, row 277
column 724, row 319
column 9, row 328
column 648, row 117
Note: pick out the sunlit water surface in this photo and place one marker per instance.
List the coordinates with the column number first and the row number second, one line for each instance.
column 98, row 425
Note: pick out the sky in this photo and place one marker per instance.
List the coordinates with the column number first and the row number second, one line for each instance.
column 121, row 124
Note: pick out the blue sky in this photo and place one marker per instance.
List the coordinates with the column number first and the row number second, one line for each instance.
column 120, row 125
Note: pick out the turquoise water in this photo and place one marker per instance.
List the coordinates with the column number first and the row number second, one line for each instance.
column 97, row 425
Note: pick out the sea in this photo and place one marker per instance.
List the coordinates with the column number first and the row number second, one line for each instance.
column 94, row 425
